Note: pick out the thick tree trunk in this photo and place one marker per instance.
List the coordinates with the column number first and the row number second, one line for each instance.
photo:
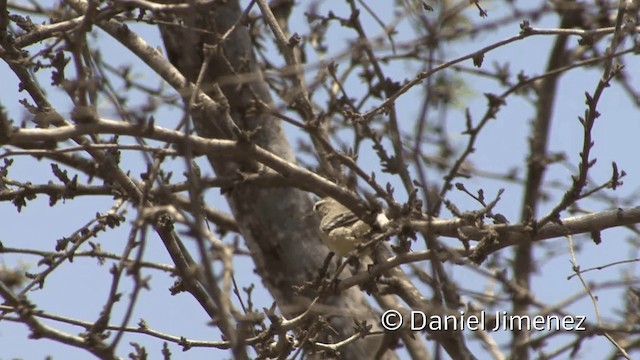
column 274, row 222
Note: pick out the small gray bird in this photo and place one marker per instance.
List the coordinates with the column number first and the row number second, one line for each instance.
column 341, row 230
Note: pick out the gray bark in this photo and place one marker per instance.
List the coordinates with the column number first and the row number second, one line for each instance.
column 274, row 222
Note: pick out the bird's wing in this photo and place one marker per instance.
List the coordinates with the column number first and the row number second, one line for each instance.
column 343, row 220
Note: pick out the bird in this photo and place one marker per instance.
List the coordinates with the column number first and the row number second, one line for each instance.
column 340, row 229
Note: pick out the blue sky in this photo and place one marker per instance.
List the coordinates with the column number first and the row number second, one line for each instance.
column 79, row 291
